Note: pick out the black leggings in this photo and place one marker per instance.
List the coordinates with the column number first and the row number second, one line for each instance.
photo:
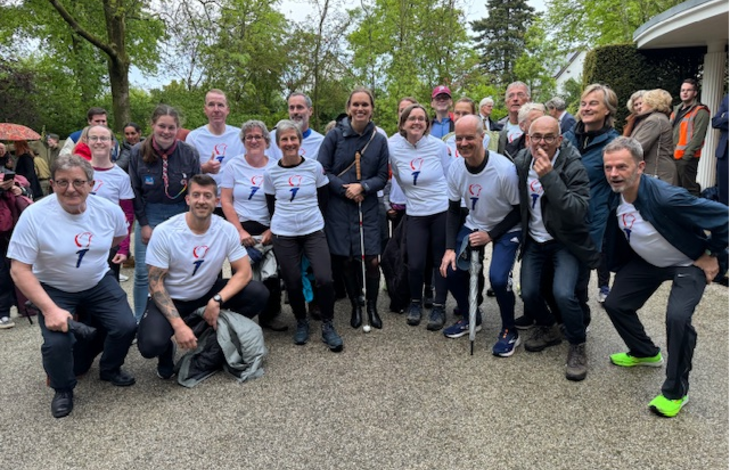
column 352, row 273
column 426, row 234
column 289, row 252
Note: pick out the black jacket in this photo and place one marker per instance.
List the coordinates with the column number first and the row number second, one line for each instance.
column 564, row 203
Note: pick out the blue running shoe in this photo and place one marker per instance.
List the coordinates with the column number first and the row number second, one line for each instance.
column 461, row 327
column 506, row 344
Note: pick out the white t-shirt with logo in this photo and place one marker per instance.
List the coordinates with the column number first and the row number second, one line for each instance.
column 247, row 183
column 193, row 261
column 421, row 173
column 67, row 251
column 513, row 132
column 645, row 240
column 112, row 184
column 536, row 227
column 224, row 146
column 296, row 211
column 309, row 148
column 489, row 194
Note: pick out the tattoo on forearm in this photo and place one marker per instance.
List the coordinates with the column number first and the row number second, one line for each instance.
column 159, row 293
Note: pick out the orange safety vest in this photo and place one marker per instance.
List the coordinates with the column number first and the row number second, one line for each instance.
column 686, row 130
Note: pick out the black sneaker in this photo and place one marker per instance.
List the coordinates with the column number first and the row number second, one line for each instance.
column 330, row 337
column 524, row 323
column 118, row 378
column 437, row 319
column 414, row 313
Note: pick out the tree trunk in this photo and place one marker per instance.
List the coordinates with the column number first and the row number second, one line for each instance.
column 119, row 80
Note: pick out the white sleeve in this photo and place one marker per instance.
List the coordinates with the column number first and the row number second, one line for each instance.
column 120, row 222
column 158, row 253
column 24, row 242
column 453, row 183
column 227, row 177
column 322, row 179
column 446, row 158
column 268, row 184
column 68, row 148
column 236, row 251
column 510, row 186
column 125, row 189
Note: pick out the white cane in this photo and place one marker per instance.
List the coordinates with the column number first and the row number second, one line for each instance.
column 366, row 325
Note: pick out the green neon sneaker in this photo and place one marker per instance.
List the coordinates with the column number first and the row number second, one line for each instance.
column 627, row 360
column 666, row 407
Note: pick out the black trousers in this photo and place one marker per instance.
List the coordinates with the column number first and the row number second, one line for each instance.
column 632, row 287
column 155, row 331
column 426, row 235
column 289, row 252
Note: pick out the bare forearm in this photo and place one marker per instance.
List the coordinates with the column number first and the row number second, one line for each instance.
column 161, row 297
column 29, row 285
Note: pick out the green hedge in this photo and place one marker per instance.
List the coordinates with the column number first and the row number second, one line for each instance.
column 626, row 69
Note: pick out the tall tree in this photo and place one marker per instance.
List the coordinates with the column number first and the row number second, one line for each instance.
column 592, row 23
column 539, row 62
column 500, row 37
column 78, row 33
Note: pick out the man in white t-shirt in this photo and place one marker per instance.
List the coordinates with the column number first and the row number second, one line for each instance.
column 487, row 181
column 658, row 232
column 216, row 142
column 300, row 110
column 184, row 256
column 64, row 270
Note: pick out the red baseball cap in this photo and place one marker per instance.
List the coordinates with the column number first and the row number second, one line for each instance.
column 441, row 90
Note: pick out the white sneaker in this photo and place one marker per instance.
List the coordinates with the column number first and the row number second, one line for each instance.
column 123, row 278
column 6, row 322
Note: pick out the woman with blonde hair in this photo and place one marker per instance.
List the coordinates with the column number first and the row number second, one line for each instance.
column 653, row 130
column 634, row 106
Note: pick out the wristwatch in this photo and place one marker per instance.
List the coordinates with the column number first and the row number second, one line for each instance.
column 218, row 299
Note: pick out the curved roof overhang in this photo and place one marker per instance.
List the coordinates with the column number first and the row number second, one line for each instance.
column 692, row 23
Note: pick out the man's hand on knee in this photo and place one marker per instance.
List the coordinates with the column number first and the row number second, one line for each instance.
column 56, row 319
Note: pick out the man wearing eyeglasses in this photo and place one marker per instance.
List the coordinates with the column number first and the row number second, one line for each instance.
column 66, row 268
column 554, row 193
column 517, row 95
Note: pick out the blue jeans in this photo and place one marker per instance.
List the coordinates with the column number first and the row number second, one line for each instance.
column 504, row 250
column 566, row 269
column 156, row 214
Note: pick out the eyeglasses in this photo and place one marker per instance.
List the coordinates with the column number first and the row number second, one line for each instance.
column 519, row 94
column 251, row 138
column 442, row 98
column 63, row 184
column 99, row 138
column 549, row 139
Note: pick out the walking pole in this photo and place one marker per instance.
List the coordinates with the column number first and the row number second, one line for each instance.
column 474, row 267
column 366, row 319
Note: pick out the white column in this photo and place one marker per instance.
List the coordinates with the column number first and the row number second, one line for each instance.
column 711, row 96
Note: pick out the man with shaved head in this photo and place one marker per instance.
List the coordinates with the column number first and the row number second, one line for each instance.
column 487, row 181
column 554, row 193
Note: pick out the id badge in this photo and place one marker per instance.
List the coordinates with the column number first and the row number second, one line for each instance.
column 149, row 180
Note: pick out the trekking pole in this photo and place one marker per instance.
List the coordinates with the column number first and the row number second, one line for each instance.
column 473, row 289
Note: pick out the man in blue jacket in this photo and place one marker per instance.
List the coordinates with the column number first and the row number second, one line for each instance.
column 656, row 233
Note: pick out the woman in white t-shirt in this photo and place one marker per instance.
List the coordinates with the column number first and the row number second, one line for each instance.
column 112, row 183
column 296, row 195
column 419, row 162
column 244, row 205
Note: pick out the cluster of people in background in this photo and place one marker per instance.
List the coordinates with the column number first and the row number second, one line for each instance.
column 297, row 209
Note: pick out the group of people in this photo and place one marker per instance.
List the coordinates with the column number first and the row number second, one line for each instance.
column 314, row 204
